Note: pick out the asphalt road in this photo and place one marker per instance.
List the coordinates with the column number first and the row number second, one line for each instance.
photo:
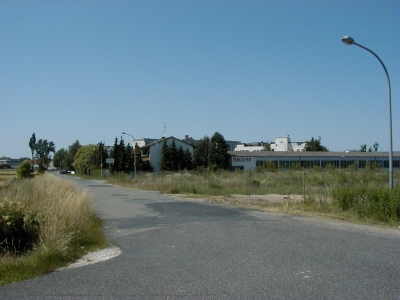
column 174, row 248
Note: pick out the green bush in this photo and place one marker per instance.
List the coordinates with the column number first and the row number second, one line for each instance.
column 24, row 170
column 378, row 203
column 297, row 166
column 255, row 183
column 18, row 232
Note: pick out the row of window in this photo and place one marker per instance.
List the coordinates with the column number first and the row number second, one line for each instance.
column 289, row 163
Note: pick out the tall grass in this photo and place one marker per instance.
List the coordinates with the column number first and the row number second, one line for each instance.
column 322, row 191
column 67, row 225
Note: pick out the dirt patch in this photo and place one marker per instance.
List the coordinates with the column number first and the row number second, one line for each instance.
column 271, row 198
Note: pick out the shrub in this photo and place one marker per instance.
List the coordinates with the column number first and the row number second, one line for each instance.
column 380, row 203
column 255, row 183
column 297, row 166
column 24, row 170
column 18, row 231
column 317, row 168
column 353, row 167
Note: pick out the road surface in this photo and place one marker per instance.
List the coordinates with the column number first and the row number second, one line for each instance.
column 175, row 248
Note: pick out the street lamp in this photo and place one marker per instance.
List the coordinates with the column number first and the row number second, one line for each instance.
column 134, row 152
column 350, row 41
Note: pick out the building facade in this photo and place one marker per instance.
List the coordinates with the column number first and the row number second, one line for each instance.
column 247, row 161
column 153, row 150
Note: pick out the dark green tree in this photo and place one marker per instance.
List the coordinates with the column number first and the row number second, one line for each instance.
column 218, row 152
column 165, row 164
column 72, row 150
column 32, row 145
column 200, row 153
column 43, row 149
column 24, row 170
column 374, row 147
column 363, row 148
column 123, row 156
column 60, row 159
column 187, row 157
column 173, row 153
column 115, row 153
column 315, row 145
column 101, row 155
column 140, row 164
column 181, row 159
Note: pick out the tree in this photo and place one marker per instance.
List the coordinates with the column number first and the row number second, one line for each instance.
column 60, row 159
column 85, row 159
column 181, row 159
column 218, row 152
column 363, row 148
column 267, row 146
column 72, row 150
column 374, row 147
column 315, row 145
column 115, row 153
column 43, row 148
column 188, row 161
column 24, row 170
column 173, row 153
column 101, row 154
column 141, row 165
column 32, row 145
column 200, row 154
column 165, row 164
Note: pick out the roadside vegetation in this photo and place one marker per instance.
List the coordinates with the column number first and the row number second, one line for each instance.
column 45, row 223
column 360, row 196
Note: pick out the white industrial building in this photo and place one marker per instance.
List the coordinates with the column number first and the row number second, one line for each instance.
column 281, row 144
column 285, row 144
column 247, row 161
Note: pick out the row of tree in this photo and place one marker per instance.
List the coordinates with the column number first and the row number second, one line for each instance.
column 94, row 156
column 208, row 153
column 41, row 151
column 212, row 152
column 174, row 159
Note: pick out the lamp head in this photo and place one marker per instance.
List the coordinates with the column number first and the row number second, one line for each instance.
column 348, row 40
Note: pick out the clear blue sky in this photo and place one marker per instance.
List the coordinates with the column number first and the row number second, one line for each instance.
column 251, row 70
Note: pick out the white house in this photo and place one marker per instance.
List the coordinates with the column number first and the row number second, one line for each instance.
column 154, row 150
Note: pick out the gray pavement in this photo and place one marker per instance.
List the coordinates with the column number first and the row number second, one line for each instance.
column 174, row 248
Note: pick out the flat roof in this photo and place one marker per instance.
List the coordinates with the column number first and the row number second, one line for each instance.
column 396, row 154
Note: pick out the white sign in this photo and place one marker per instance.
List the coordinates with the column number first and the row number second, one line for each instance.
column 110, row 160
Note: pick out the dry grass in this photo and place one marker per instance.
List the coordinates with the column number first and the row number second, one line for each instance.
column 301, row 192
column 68, row 225
column 6, row 175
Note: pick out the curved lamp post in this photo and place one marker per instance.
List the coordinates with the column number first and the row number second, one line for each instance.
column 350, row 41
column 134, row 152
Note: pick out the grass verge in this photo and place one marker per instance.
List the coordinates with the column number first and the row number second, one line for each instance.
column 359, row 196
column 67, row 226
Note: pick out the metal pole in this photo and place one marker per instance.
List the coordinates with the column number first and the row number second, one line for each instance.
column 134, row 152
column 348, row 40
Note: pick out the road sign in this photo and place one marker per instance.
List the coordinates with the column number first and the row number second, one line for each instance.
column 110, row 160
column 101, row 165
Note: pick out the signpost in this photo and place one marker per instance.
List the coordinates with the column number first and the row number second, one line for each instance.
column 109, row 161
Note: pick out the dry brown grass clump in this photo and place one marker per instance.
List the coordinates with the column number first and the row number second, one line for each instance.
column 60, row 208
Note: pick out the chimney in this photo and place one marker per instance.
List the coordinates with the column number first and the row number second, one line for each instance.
column 186, row 136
